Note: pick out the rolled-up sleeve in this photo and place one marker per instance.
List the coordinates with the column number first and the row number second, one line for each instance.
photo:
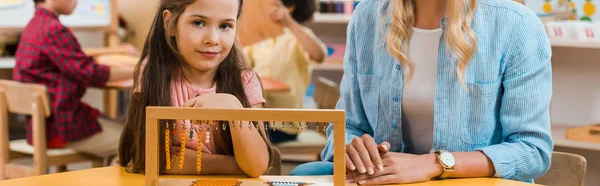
column 350, row 100
column 524, row 112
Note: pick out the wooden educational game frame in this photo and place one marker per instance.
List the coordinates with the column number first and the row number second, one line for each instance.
column 155, row 114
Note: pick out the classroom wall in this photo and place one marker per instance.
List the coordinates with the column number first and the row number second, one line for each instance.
column 576, row 91
column 139, row 15
column 576, row 97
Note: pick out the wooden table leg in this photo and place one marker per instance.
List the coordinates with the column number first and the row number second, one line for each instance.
column 110, row 103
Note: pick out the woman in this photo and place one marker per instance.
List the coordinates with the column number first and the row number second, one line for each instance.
column 465, row 80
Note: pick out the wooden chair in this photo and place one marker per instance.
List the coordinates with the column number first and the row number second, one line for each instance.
column 31, row 100
column 566, row 170
column 326, row 94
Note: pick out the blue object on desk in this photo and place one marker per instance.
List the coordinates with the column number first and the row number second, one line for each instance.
column 310, row 90
column 330, row 51
column 287, row 183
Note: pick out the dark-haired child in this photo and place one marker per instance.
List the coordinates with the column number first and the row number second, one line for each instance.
column 287, row 57
column 49, row 54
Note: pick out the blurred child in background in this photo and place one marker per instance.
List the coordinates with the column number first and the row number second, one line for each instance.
column 287, row 57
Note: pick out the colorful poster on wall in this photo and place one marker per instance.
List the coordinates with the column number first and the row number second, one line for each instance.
column 87, row 10
column 10, row 3
column 88, row 13
column 566, row 9
column 542, row 7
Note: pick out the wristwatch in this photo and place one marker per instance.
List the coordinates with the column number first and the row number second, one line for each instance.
column 447, row 161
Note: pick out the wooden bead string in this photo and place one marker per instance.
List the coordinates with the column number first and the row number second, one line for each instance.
column 183, row 140
column 287, row 183
column 207, row 136
column 199, row 151
column 167, row 150
column 216, row 182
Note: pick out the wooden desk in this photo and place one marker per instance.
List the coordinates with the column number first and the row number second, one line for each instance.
column 10, row 63
column 272, row 85
column 110, row 93
column 125, row 85
column 102, row 51
column 116, row 176
column 559, row 133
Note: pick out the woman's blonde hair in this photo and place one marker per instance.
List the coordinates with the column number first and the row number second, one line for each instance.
column 459, row 38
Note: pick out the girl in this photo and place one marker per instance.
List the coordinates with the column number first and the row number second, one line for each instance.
column 467, row 79
column 287, row 57
column 193, row 60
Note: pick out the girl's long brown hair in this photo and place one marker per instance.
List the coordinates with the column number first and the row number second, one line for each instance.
column 156, row 74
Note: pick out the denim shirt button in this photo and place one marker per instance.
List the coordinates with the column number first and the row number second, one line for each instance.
column 395, row 98
column 394, row 125
column 397, row 67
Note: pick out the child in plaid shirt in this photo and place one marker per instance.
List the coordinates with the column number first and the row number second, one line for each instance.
column 49, row 54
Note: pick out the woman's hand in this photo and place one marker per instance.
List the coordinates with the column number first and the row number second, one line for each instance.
column 219, row 101
column 281, row 15
column 400, row 168
column 364, row 154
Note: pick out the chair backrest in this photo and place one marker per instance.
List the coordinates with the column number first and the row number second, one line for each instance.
column 566, row 170
column 326, row 93
column 20, row 96
column 27, row 99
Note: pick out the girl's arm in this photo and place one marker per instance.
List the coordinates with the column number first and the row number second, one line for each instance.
column 212, row 164
column 309, row 44
column 250, row 149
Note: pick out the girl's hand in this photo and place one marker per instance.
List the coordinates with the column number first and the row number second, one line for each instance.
column 219, row 101
column 400, row 168
column 363, row 154
column 281, row 15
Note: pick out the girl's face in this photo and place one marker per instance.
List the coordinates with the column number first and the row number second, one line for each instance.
column 206, row 32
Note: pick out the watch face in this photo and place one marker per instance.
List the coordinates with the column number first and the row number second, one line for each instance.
column 447, row 158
